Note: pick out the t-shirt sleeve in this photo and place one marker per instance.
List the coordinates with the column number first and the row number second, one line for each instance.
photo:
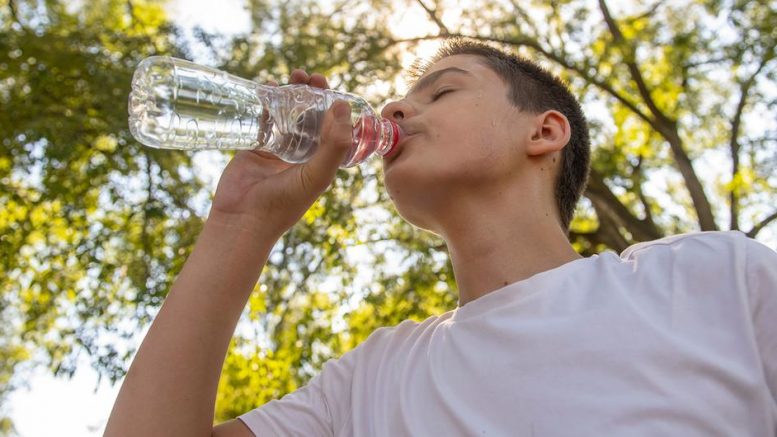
column 761, row 276
column 317, row 409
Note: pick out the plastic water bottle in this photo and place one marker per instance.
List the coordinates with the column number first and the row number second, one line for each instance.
column 177, row 104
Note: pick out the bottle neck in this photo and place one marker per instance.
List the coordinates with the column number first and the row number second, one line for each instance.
column 390, row 134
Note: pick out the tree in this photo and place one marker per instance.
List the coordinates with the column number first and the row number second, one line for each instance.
column 95, row 227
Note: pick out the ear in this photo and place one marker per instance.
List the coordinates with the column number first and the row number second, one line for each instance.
column 550, row 133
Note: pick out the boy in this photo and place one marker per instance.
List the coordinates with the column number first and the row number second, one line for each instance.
column 674, row 337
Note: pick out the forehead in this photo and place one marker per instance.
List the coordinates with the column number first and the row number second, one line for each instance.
column 475, row 66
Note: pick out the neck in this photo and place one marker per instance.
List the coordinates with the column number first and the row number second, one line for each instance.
column 491, row 248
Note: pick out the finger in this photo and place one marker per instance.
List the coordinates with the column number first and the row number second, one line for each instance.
column 318, row 80
column 299, row 76
column 336, row 139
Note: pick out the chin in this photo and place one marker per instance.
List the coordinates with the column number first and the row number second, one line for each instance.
column 415, row 202
column 418, row 219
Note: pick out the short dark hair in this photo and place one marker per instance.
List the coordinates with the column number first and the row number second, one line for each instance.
column 534, row 89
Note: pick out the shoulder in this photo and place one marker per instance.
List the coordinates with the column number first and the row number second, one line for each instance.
column 700, row 244
column 707, row 256
column 389, row 338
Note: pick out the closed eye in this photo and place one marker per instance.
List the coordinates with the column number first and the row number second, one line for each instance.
column 440, row 93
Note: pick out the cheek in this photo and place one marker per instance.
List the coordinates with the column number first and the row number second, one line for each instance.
column 454, row 155
column 490, row 156
column 483, row 143
column 456, row 148
column 464, row 139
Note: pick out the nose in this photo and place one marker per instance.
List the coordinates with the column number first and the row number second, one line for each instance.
column 397, row 111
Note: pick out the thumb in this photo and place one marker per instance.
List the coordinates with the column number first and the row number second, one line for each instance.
column 336, row 140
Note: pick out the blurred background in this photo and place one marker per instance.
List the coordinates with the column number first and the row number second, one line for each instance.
column 681, row 97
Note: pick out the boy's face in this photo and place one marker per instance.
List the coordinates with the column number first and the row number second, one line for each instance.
column 463, row 138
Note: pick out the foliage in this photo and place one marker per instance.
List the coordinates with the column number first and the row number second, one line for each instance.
column 94, row 227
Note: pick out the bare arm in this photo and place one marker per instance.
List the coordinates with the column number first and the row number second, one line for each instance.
column 172, row 382
column 170, row 388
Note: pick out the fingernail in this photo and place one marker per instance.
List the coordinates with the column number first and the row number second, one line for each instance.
column 342, row 110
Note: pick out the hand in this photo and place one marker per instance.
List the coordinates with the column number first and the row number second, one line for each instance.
column 261, row 193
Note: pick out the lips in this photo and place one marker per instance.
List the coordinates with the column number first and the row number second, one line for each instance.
column 397, row 150
column 394, row 151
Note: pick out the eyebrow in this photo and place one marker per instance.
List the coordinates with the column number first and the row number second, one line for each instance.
column 431, row 78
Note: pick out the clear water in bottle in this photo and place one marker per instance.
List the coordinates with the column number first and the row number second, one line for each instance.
column 176, row 104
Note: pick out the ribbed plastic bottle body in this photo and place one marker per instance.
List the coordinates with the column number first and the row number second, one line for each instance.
column 177, row 104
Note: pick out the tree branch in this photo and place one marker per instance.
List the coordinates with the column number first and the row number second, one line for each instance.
column 144, row 237
column 607, row 204
column 524, row 16
column 630, row 60
column 650, row 11
column 666, row 126
column 609, row 231
column 734, row 145
column 559, row 35
column 762, row 224
column 13, row 9
column 433, row 15
column 339, row 8
column 691, row 65
column 593, row 238
column 637, row 180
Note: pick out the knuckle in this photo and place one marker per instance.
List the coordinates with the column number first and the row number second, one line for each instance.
column 306, row 181
column 344, row 138
column 338, row 137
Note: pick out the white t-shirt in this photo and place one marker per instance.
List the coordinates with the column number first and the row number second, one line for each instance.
column 676, row 337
